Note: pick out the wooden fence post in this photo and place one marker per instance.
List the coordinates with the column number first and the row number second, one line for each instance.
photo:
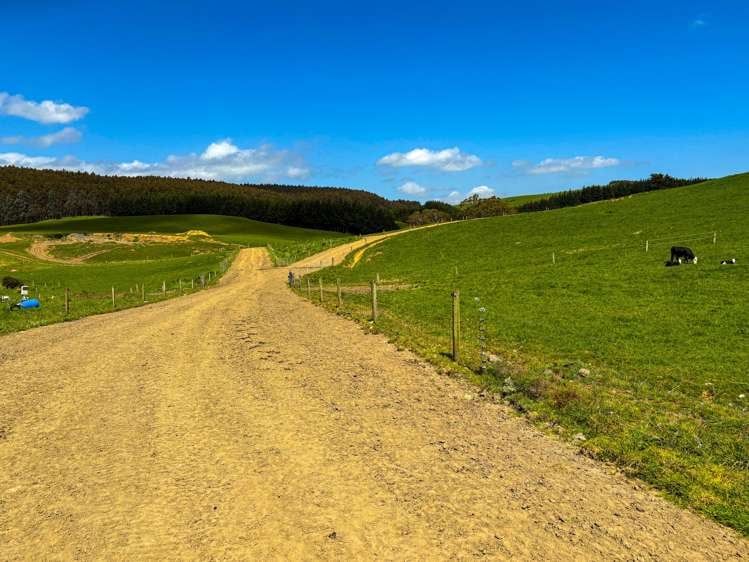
column 338, row 290
column 321, row 288
column 143, row 291
column 114, row 304
column 377, row 278
column 180, row 286
column 647, row 245
column 715, row 238
column 456, row 325
column 67, row 300
column 553, row 258
column 192, row 282
column 309, row 289
column 373, row 285
column 163, row 288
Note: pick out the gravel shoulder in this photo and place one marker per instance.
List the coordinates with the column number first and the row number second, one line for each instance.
column 242, row 422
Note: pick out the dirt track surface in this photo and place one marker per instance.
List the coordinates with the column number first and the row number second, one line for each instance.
column 244, row 423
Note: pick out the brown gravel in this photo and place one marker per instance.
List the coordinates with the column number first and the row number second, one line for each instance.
column 244, row 423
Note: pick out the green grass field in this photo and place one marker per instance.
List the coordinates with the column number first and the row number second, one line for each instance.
column 128, row 267
column 518, row 200
column 233, row 230
column 667, row 396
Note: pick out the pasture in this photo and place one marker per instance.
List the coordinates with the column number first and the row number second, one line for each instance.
column 588, row 333
column 232, row 230
column 143, row 258
column 518, row 200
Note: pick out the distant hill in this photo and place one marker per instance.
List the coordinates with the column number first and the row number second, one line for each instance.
column 233, row 230
column 516, row 201
column 594, row 193
column 28, row 195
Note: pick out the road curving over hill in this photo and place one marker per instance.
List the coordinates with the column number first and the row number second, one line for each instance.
column 242, row 422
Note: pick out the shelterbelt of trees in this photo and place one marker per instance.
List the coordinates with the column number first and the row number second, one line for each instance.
column 29, row 195
column 612, row 190
column 475, row 207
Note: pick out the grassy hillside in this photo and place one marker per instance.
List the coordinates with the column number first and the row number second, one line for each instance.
column 91, row 265
column 235, row 230
column 516, row 201
column 667, row 392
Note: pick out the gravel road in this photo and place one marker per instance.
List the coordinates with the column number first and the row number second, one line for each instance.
column 244, row 423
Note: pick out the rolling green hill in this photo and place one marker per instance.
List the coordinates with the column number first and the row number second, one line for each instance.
column 516, row 201
column 235, row 230
column 663, row 389
column 92, row 266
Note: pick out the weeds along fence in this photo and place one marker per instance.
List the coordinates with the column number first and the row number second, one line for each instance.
column 61, row 298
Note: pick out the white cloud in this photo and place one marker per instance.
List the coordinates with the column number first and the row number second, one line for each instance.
column 18, row 159
column 219, row 161
column 699, row 22
column 561, row 165
column 46, row 112
column 454, row 197
column 134, row 166
column 220, row 149
column 412, row 188
column 297, row 172
column 482, row 191
column 447, row 160
column 64, row 136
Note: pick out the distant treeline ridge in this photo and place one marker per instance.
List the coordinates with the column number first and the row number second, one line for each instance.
column 29, row 195
column 613, row 190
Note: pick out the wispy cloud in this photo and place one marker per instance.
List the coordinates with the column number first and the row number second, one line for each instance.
column 67, row 135
column 412, row 188
column 221, row 160
column 447, row 160
column 698, row 22
column 579, row 164
column 482, row 191
column 454, row 197
column 46, row 112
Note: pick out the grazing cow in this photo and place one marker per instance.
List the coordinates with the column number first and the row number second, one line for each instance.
column 681, row 254
column 732, row 261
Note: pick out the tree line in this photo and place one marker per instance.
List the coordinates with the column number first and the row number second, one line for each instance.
column 29, row 195
column 612, row 190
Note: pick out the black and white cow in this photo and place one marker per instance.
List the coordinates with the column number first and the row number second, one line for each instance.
column 732, row 261
column 681, row 254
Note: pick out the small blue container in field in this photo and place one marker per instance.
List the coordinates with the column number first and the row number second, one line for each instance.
column 30, row 303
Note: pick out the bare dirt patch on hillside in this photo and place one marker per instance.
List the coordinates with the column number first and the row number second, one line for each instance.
column 244, row 423
column 43, row 248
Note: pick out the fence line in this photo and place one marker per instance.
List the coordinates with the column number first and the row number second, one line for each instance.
column 137, row 291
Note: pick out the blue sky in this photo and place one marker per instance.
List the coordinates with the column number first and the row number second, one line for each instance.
column 417, row 100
